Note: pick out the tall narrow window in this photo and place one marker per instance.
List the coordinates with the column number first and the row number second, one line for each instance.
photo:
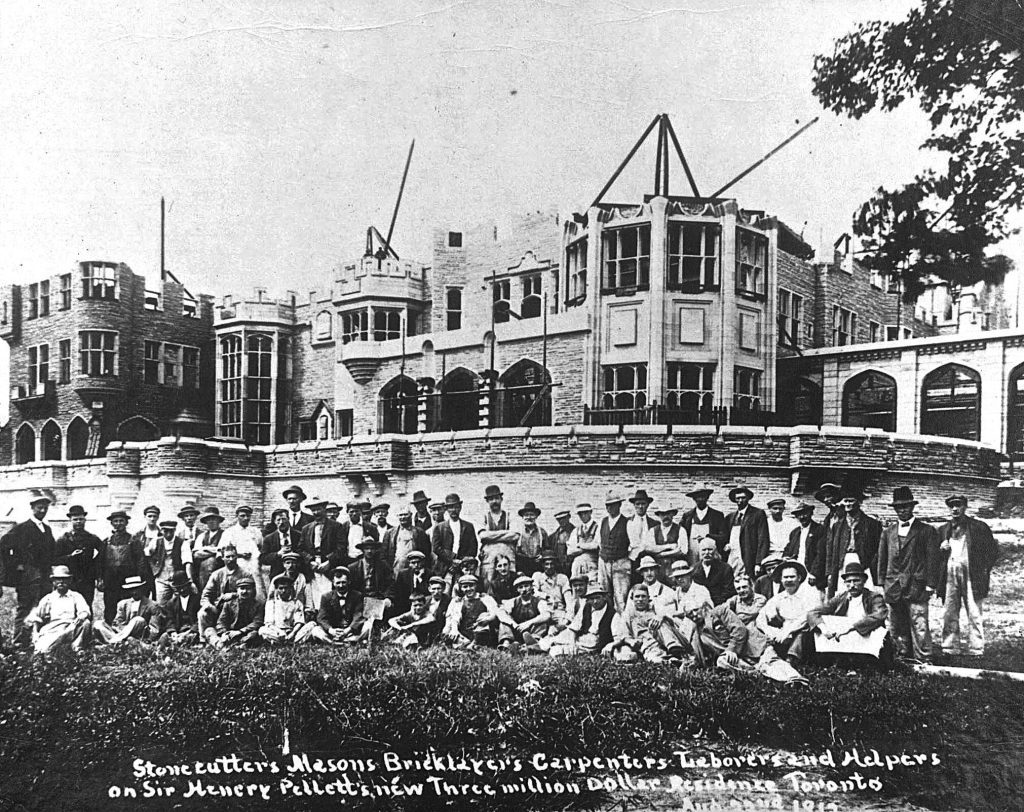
column 258, row 416
column 532, row 303
column 747, row 394
column 65, row 291
column 453, row 308
column 98, row 353
column 751, row 262
column 692, row 256
column 791, row 314
column 231, row 386
column 44, row 298
column 38, row 368
column 190, row 367
column 172, row 364
column 844, row 326
column 151, row 362
column 501, row 293
column 627, row 257
column 387, row 325
column 33, row 301
column 65, row 360
column 576, row 273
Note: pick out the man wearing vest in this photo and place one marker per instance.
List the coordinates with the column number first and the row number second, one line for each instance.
column 529, row 615
column 967, row 553
column 583, row 545
column 27, row 553
column 471, row 619
column 701, row 522
column 168, row 555
column 592, row 626
column 79, row 551
column 908, row 558
column 807, row 545
column 748, row 533
column 496, row 537
column 614, row 568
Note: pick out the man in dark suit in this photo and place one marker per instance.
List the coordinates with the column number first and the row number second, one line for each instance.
column 326, row 541
column 967, row 553
column 703, row 522
column 370, row 574
column 851, row 637
column 341, row 612
column 282, row 540
column 402, row 540
column 415, row 578
column 713, row 574
column 422, row 519
column 79, row 551
column 355, row 531
column 27, row 554
column 908, row 557
column 297, row 517
column 748, row 541
column 454, row 537
column 856, row 533
column 178, row 623
column 807, row 545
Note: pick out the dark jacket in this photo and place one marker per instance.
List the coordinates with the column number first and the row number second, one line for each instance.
column 907, row 566
column 304, row 519
column 338, row 614
column 814, row 559
column 236, row 616
column 121, row 556
column 85, row 567
column 173, row 618
column 604, row 628
column 866, row 537
column 27, row 554
column 754, row 538
column 402, row 589
column 718, row 527
column 982, row 554
column 333, row 543
column 443, row 544
column 718, row 580
column 372, row 582
column 420, row 541
column 273, row 544
column 875, row 611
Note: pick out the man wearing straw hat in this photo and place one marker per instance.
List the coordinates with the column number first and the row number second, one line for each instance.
column 62, row 618
column 679, row 609
column 138, row 616
column 583, row 545
column 614, row 567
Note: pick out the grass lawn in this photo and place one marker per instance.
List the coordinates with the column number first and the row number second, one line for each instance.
column 71, row 729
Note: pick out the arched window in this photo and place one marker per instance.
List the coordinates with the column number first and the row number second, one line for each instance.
column 460, row 401
column 322, row 326
column 801, row 403
column 25, row 444
column 399, row 404
column 523, row 398
column 951, row 402
column 51, row 437
column 869, row 401
column 78, row 439
column 137, row 429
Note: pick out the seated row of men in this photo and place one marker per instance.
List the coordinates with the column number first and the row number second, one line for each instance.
column 679, row 624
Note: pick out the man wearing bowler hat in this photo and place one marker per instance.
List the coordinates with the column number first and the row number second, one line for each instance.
column 702, row 522
column 584, row 545
column 453, row 538
column 748, row 541
column 908, row 557
column 614, row 567
column 856, row 534
column 26, row 557
column 641, row 529
column 121, row 558
column 62, row 619
column 79, row 551
column 179, row 614
column 967, row 553
column 807, row 545
column 850, row 627
column 421, row 516
column 496, row 536
column 558, row 540
column 297, row 517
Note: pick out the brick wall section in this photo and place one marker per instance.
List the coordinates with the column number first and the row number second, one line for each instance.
column 126, row 395
column 797, row 276
column 313, row 372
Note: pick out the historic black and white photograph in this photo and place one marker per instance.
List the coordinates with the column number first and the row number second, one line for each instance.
column 541, row 405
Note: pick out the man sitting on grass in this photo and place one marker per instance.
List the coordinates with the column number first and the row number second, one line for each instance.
column 529, row 615
column 293, row 564
column 592, row 626
column 472, row 618
column 61, row 620
column 849, row 629
column 417, row 628
column 220, row 586
column 632, row 631
column 784, row 617
column 341, row 612
column 179, row 614
column 439, row 598
column 240, row 619
column 678, row 610
column 137, row 618
column 746, row 603
column 284, row 617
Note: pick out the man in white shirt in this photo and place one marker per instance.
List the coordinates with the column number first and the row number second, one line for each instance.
column 62, row 618
column 678, row 610
column 779, row 525
column 784, row 617
column 247, row 541
column 640, row 527
column 166, row 556
column 583, row 544
column 550, row 584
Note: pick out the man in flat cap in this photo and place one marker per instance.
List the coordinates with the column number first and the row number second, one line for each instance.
column 205, row 557
column 496, row 536
column 399, row 542
column 414, row 578
column 284, row 616
column 523, row 620
column 188, row 527
column 550, row 584
column 178, row 623
column 855, row 533
column 120, row 558
column 748, row 541
column 295, row 568
column 62, row 619
column 27, row 553
column 702, row 522
column 379, row 518
column 240, row 618
column 137, row 618
column 713, row 574
column 453, row 538
column 967, row 553
column 169, row 555
column 436, row 516
column 221, row 586
column 152, row 543
column 472, row 618
column 779, row 525
column 807, row 545
column 558, row 540
column 614, row 567
column 584, row 544
column 850, row 627
column 79, row 551
column 908, row 558
column 421, row 512
column 341, row 611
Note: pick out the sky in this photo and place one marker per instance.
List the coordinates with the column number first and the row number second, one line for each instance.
column 277, row 131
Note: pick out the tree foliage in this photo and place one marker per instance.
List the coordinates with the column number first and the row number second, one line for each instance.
column 961, row 61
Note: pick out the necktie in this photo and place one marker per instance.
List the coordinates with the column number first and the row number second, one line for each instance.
column 904, row 524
